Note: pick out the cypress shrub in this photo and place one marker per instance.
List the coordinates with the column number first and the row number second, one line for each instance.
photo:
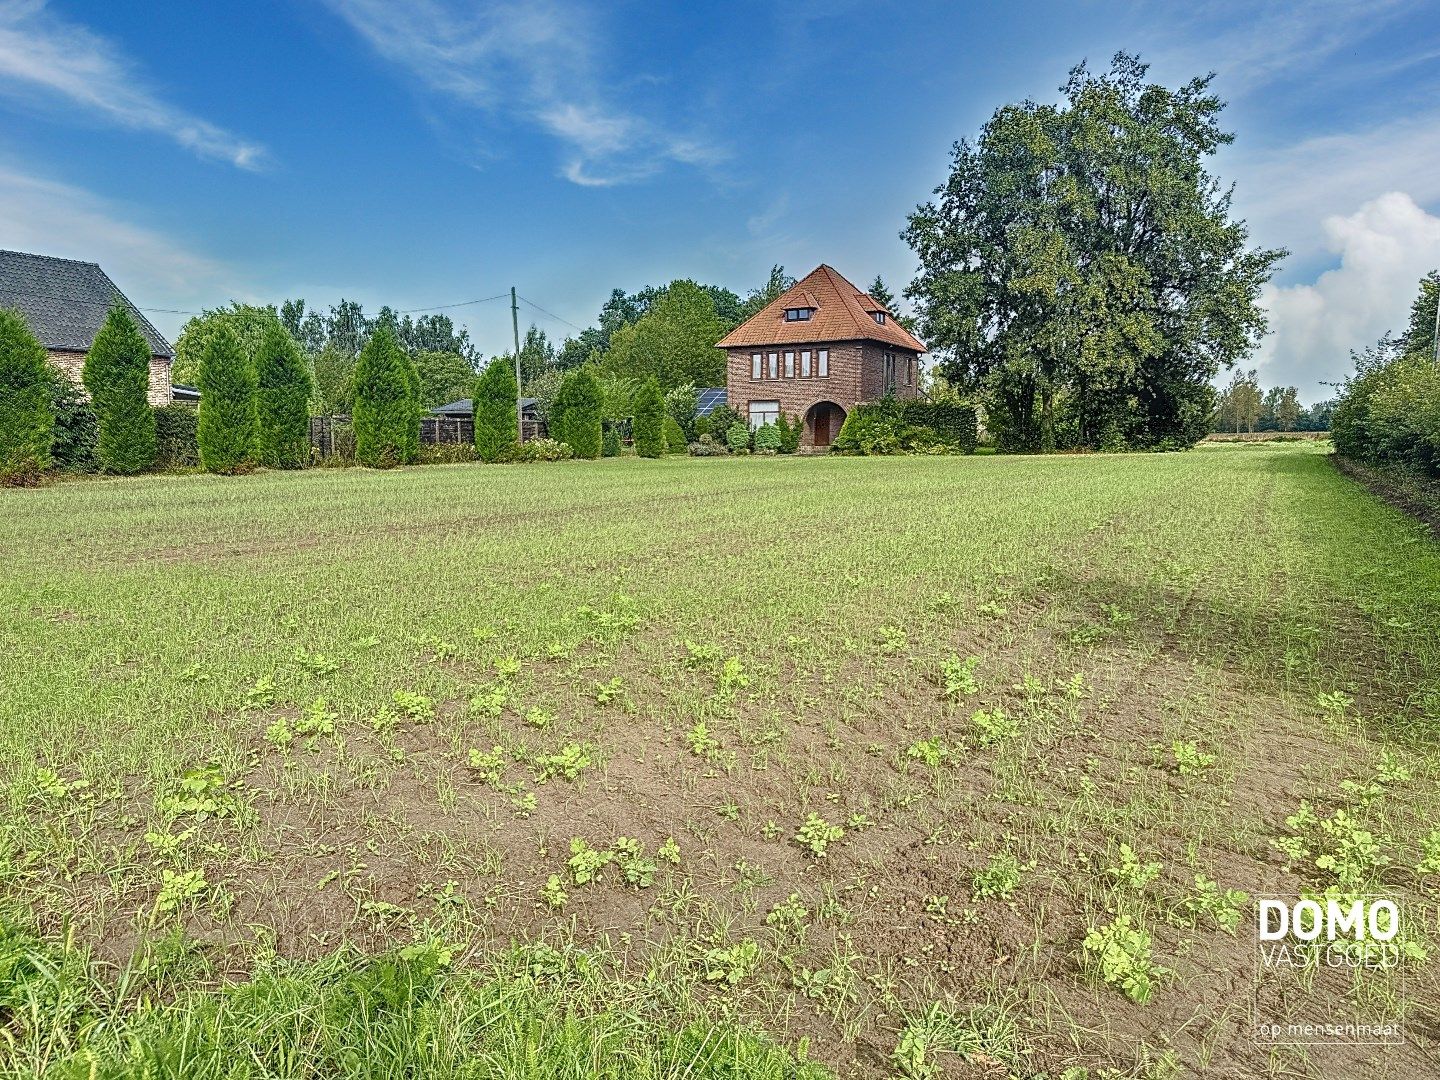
column 385, row 409
column 737, row 436
column 417, row 407
column 177, row 437
column 227, row 426
column 77, row 428
column 117, row 375
column 789, row 433
column 674, row 436
column 27, row 415
column 497, row 429
column 282, row 400
column 649, row 426
column 575, row 416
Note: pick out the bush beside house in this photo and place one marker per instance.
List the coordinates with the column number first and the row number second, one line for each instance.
column 386, row 413
column 27, row 415
column 575, row 415
column 908, row 427
column 117, row 377
column 282, row 400
column 177, row 437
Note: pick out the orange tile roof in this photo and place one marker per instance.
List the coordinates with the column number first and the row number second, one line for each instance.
column 841, row 314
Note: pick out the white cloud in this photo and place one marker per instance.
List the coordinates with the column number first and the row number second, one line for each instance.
column 1385, row 247
column 47, row 217
column 41, row 53
column 530, row 61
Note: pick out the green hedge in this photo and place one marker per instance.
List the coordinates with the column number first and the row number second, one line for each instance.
column 177, row 437
column 909, row 427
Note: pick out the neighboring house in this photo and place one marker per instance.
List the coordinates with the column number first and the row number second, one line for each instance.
column 65, row 302
column 815, row 353
column 464, row 409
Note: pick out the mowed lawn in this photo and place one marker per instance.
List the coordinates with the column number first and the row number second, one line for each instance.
column 856, row 752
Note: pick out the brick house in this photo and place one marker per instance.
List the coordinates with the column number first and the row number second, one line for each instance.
column 65, row 302
column 815, row 353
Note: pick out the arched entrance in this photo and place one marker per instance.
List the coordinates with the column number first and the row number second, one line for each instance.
column 822, row 423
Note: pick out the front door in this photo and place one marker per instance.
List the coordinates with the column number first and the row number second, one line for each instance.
column 822, row 425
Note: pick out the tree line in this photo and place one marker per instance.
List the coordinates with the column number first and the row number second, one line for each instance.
column 1388, row 412
column 1244, row 406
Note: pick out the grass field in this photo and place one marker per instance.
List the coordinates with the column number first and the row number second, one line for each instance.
column 920, row 767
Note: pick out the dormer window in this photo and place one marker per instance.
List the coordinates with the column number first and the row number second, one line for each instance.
column 879, row 317
column 798, row 314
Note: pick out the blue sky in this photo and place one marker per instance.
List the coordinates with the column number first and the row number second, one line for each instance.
column 424, row 152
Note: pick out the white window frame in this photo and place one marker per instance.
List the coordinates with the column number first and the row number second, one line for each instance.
column 757, row 361
column 823, row 364
column 760, row 413
column 789, row 365
column 774, row 368
column 805, row 368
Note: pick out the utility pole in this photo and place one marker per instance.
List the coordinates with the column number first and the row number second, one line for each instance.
column 515, row 326
column 1437, row 323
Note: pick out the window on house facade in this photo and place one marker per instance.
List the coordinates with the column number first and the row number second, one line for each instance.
column 823, row 363
column 804, row 363
column 879, row 317
column 755, row 365
column 789, row 365
column 910, row 372
column 889, row 373
column 798, row 314
column 774, row 365
column 764, row 412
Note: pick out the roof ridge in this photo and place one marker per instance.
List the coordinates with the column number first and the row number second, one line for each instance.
column 47, row 258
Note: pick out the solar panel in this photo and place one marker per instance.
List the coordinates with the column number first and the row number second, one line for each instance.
column 708, row 399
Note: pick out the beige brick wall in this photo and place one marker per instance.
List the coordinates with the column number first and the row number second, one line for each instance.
column 857, row 374
column 73, row 365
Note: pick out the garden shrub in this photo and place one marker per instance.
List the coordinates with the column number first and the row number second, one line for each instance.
column 610, row 445
column 497, row 428
column 386, row 411
column 674, row 436
column 227, row 426
column 77, row 427
column 953, row 422
column 27, row 413
column 790, row 431
column 282, row 400
column 177, row 437
column 767, row 439
column 704, row 426
column 737, row 436
column 706, row 446
column 681, row 403
column 447, row 454
column 1388, row 414
column 575, row 415
column 908, row 427
column 543, row 450
column 722, row 419
column 117, row 376
column 649, row 421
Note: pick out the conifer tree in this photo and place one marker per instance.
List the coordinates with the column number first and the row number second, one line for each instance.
column 650, row 420
column 385, row 395
column 576, row 414
column 497, row 428
column 228, row 429
column 282, row 400
column 27, row 417
column 117, row 377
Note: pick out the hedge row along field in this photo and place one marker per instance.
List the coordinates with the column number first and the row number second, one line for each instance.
column 536, row 772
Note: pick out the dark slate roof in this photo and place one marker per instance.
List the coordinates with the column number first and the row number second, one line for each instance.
column 181, row 393
column 466, row 407
column 65, row 302
column 709, row 399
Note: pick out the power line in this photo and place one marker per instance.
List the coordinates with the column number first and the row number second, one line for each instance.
column 552, row 315
column 462, row 303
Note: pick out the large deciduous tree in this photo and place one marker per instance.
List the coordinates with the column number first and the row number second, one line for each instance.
column 386, row 415
column 282, row 400
column 673, row 342
column 1082, row 270
column 497, row 427
column 117, row 377
column 227, row 429
column 27, row 416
